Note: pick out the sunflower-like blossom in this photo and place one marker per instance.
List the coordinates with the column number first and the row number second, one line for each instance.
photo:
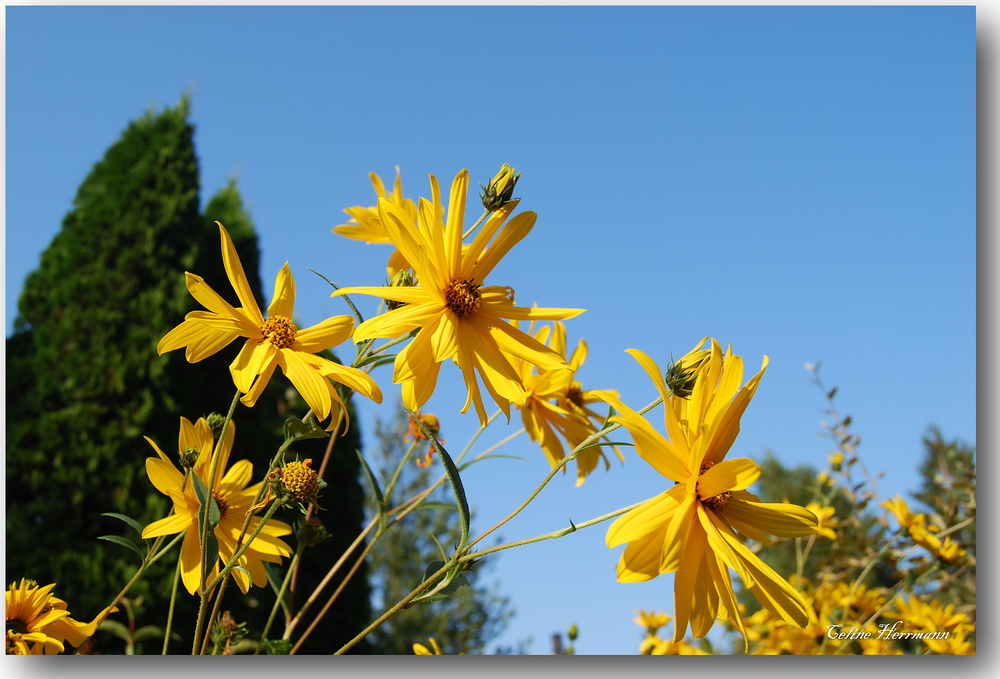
column 271, row 342
column 365, row 225
column 691, row 529
column 557, row 405
column 457, row 315
column 38, row 623
column 234, row 499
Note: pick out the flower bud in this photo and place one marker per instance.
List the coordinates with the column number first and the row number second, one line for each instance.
column 498, row 191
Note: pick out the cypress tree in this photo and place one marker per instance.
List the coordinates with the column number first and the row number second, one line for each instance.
column 84, row 382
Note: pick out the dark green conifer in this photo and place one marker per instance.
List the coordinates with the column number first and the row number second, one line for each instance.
column 84, row 383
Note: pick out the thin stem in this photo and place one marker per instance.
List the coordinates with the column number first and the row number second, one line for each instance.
column 549, row 536
column 173, row 600
column 397, row 608
column 290, row 627
column 281, row 593
column 472, row 440
column 156, row 552
column 393, row 343
column 486, row 213
column 399, row 468
column 596, row 436
column 203, row 537
column 333, row 597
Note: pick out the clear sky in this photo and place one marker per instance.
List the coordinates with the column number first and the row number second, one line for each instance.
column 797, row 181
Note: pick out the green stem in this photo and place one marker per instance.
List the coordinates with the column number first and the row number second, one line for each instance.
column 203, row 537
column 173, row 600
column 293, row 623
column 385, row 346
column 586, row 443
column 426, row 584
column 333, row 597
column 486, row 213
column 472, row 440
column 281, row 593
column 549, row 536
column 399, row 468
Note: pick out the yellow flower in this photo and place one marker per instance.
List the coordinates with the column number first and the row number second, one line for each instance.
column 691, row 529
column 271, row 342
column 457, row 316
column 420, row 649
column 556, row 404
column 233, row 499
column 825, row 517
column 37, row 618
column 365, row 225
column 651, row 621
column 900, row 510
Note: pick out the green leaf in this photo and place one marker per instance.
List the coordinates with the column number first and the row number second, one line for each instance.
column 278, row 647
column 119, row 540
column 147, row 632
column 296, row 429
column 116, row 628
column 432, row 568
column 444, row 555
column 454, row 478
column 127, row 519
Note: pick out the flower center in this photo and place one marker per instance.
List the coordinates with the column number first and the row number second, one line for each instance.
column 301, row 480
column 17, row 626
column 575, row 396
column 280, row 330
column 223, row 505
column 462, row 297
column 717, row 502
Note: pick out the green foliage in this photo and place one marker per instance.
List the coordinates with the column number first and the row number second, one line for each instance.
column 470, row 616
column 85, row 384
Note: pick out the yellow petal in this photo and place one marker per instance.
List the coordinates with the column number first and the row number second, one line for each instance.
column 641, row 559
column 781, row 519
column 644, row 519
column 650, row 444
column 169, row 526
column 250, row 398
column 676, row 539
column 515, row 230
column 324, row 335
column 283, row 300
column 238, row 279
column 529, row 313
column 729, row 426
column 456, row 220
column 191, row 562
column 314, row 388
column 252, row 360
column 728, row 475
column 687, row 574
column 399, row 321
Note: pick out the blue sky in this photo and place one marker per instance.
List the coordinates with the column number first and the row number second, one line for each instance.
column 797, row 181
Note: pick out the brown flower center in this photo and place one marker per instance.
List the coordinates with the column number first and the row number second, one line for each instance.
column 17, row 626
column 717, row 502
column 575, row 396
column 223, row 505
column 279, row 330
column 462, row 297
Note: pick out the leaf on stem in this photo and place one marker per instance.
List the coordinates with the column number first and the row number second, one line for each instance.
column 296, row 429
column 453, row 477
column 124, row 542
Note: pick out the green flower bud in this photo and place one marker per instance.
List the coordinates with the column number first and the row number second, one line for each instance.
column 498, row 191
